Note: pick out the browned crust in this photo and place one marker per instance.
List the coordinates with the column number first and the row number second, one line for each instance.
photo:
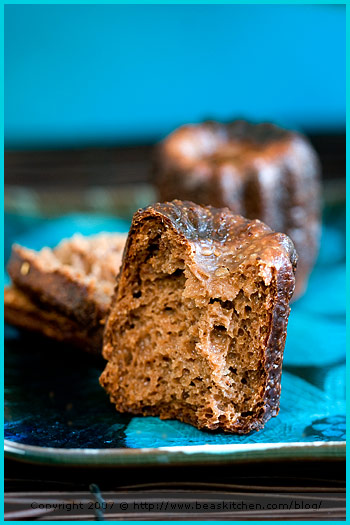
column 54, row 288
column 190, row 223
column 285, row 281
column 22, row 312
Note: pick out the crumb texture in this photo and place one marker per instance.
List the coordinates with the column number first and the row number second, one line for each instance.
column 64, row 293
column 77, row 277
column 198, row 321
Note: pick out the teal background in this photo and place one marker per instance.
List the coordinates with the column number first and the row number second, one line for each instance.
column 114, row 74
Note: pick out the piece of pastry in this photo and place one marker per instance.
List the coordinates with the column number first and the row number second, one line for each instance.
column 259, row 171
column 198, row 320
column 21, row 311
column 64, row 292
column 76, row 278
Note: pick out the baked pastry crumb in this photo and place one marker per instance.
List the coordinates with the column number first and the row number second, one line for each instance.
column 198, row 321
column 65, row 292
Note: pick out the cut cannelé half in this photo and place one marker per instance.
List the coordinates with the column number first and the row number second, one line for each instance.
column 198, row 321
column 76, row 278
column 64, row 292
column 21, row 311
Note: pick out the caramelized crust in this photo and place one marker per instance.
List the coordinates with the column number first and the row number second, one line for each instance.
column 198, row 321
column 22, row 312
column 258, row 171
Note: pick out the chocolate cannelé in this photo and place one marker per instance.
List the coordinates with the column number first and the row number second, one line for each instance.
column 197, row 325
column 76, row 277
column 64, row 293
column 260, row 171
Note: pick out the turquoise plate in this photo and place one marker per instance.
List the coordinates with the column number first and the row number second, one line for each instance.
column 56, row 412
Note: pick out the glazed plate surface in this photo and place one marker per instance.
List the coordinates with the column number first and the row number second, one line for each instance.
column 56, row 412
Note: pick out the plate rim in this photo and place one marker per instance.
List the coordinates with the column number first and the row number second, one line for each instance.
column 176, row 455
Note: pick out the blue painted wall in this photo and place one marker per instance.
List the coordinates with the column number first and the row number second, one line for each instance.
column 103, row 74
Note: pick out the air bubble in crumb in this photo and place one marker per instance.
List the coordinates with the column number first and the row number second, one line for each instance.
column 222, row 272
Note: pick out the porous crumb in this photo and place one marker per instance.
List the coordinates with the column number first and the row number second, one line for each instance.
column 191, row 341
column 77, row 276
column 222, row 272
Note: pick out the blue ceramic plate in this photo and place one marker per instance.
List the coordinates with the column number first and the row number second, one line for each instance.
column 56, row 412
